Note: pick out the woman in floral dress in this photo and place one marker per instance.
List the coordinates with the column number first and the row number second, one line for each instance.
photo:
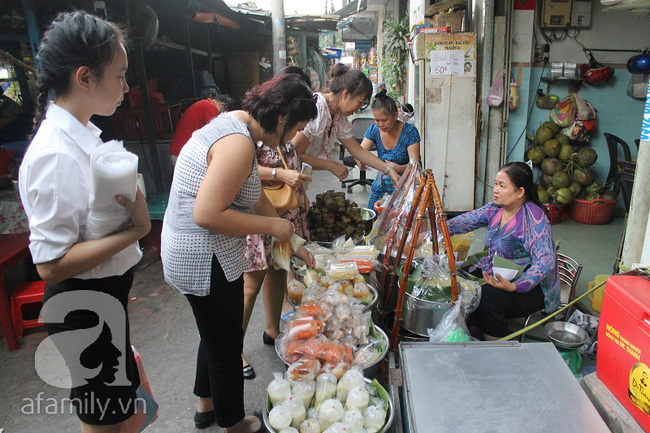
column 259, row 269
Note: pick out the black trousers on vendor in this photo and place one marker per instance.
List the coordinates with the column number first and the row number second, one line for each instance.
column 219, row 317
column 498, row 306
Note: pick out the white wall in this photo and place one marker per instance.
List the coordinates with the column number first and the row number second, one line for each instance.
column 613, row 30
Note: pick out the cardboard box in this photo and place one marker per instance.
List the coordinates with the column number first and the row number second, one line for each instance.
column 453, row 20
column 624, row 344
column 419, row 28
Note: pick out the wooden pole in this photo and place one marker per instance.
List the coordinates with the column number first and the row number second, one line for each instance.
column 407, row 266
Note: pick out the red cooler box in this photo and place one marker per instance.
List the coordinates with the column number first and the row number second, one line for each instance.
column 624, row 344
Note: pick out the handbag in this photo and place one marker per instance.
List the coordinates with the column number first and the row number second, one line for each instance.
column 282, row 196
column 146, row 406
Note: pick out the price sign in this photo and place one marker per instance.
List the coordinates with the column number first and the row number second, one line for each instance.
column 447, row 62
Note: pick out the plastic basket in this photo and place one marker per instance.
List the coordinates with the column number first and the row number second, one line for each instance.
column 557, row 213
column 596, row 212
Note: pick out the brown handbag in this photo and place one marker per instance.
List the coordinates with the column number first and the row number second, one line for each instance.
column 282, row 196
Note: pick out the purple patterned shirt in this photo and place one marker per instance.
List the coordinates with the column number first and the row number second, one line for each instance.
column 526, row 240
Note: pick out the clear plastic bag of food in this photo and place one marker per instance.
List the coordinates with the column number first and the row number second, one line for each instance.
column 304, row 390
column 461, row 244
column 311, row 347
column 303, row 369
column 353, row 378
column 333, row 353
column 325, row 388
column 342, row 271
column 303, row 327
column 330, row 411
column 279, row 389
column 451, row 328
column 374, row 417
column 316, row 310
column 354, row 419
column 295, row 289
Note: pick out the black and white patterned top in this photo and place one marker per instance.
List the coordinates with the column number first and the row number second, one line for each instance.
column 186, row 248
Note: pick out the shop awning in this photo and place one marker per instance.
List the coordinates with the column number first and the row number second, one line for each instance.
column 352, row 8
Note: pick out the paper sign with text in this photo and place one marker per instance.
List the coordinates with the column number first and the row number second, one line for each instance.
column 447, row 62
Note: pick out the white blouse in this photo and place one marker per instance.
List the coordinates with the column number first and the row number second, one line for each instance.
column 54, row 184
column 323, row 131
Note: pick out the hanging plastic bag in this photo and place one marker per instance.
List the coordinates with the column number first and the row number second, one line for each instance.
column 564, row 113
column 638, row 86
column 586, row 111
column 496, row 92
column 514, row 93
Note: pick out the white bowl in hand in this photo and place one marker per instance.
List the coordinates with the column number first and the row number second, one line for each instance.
column 508, row 274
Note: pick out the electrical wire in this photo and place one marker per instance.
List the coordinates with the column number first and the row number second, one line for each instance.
column 530, row 113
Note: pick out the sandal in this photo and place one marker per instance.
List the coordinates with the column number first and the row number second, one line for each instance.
column 248, row 371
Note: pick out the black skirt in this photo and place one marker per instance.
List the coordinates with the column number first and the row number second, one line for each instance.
column 91, row 320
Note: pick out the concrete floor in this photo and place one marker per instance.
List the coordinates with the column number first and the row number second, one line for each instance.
column 164, row 332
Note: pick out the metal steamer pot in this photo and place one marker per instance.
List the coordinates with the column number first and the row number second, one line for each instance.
column 418, row 315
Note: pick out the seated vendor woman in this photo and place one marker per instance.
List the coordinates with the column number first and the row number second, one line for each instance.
column 517, row 230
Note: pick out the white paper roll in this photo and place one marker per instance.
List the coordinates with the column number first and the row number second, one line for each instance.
column 113, row 173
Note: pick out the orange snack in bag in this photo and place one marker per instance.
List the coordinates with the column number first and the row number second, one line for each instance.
column 311, row 348
column 313, row 309
column 304, row 328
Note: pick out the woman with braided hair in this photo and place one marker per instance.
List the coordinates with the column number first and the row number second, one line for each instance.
column 82, row 66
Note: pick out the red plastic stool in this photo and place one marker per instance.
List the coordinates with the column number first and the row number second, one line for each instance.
column 25, row 294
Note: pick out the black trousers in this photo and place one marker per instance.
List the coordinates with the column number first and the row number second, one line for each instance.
column 219, row 317
column 97, row 402
column 497, row 306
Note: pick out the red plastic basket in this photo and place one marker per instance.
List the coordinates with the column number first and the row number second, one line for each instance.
column 595, row 212
column 557, row 212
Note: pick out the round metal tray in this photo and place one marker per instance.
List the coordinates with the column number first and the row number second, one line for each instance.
column 566, row 335
column 369, row 370
column 390, row 413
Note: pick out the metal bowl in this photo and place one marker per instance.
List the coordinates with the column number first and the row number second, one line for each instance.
column 369, row 370
column 566, row 335
column 390, row 412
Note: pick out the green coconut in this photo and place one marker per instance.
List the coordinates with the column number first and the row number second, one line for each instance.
column 583, row 176
column 552, row 192
column 609, row 195
column 575, row 188
column 561, row 179
column 552, row 126
column 594, row 188
column 543, row 134
column 565, row 152
column 562, row 138
column 545, row 180
column 551, row 165
column 536, row 154
column 587, row 157
column 542, row 194
column 552, row 148
column 564, row 196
